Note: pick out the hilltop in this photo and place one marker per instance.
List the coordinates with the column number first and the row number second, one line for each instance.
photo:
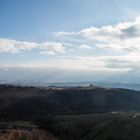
column 25, row 102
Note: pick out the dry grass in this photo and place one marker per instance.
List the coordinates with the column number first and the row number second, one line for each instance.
column 25, row 135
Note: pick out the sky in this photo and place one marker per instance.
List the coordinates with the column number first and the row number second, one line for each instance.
column 70, row 40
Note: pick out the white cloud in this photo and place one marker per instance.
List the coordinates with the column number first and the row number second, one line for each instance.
column 52, row 46
column 13, row 46
column 92, row 64
column 85, row 47
column 84, row 68
column 61, row 33
column 124, row 36
column 47, row 52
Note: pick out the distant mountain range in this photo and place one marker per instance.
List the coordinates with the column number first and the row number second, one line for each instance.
column 105, row 84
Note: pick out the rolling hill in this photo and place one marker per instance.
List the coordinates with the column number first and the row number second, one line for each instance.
column 24, row 102
column 76, row 113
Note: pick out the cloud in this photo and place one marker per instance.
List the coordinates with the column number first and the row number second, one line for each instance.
column 124, row 36
column 13, row 46
column 116, row 51
column 85, row 47
column 83, row 64
column 77, row 68
column 62, row 33
column 47, row 52
column 52, row 46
